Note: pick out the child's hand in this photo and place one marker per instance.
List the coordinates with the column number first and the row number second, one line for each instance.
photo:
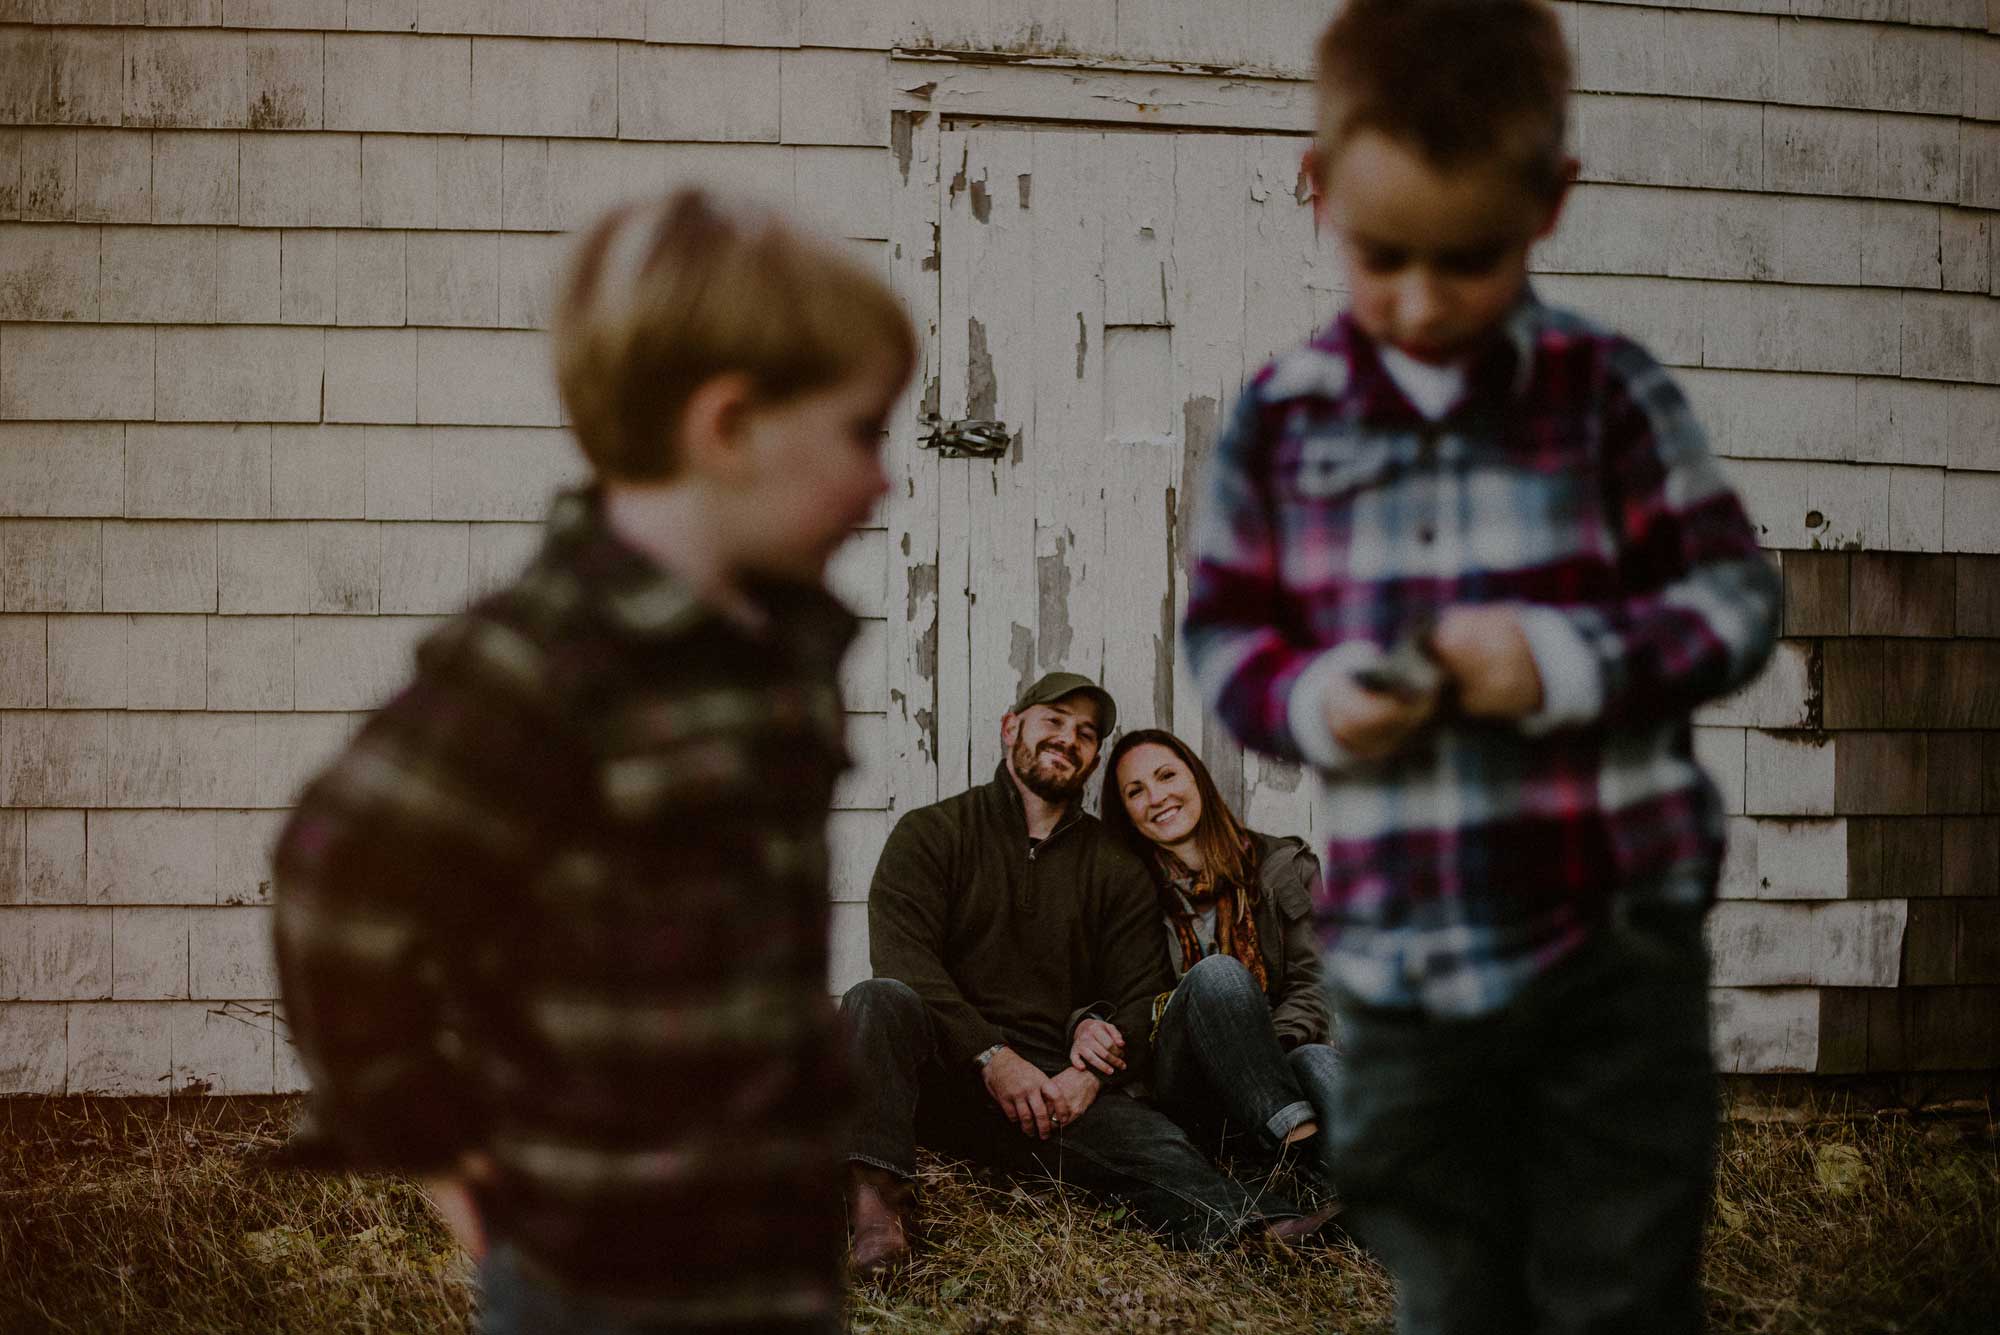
column 1486, row 653
column 1372, row 725
column 452, row 1197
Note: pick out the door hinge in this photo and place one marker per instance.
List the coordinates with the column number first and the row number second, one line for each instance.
column 966, row 438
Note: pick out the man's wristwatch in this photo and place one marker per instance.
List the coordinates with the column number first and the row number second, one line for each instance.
column 985, row 1058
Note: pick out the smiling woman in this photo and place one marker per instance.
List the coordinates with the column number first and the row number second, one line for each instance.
column 1241, row 1041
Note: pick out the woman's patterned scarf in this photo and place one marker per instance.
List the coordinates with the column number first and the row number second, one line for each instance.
column 1235, row 915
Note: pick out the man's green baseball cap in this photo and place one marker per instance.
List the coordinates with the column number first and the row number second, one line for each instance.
column 1056, row 685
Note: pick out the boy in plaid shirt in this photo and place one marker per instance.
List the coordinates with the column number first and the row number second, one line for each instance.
column 555, row 925
column 1470, row 557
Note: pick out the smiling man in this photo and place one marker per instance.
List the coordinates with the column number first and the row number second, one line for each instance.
column 1017, row 955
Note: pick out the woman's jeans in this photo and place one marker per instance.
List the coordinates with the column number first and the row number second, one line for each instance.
column 1218, row 1065
column 516, row 1298
column 1121, row 1146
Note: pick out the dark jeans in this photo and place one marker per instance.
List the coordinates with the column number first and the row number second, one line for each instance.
column 1547, row 1167
column 515, row 1298
column 1121, row 1146
column 1218, row 1066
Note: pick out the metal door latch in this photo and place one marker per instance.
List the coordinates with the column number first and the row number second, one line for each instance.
column 966, row 438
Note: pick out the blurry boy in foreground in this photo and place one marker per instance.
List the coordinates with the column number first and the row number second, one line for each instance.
column 555, row 924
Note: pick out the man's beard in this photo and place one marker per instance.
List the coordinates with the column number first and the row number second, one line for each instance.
column 1027, row 762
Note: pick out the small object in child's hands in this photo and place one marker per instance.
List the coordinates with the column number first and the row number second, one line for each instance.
column 1410, row 671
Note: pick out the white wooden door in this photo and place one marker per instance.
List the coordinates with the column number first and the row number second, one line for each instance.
column 1103, row 294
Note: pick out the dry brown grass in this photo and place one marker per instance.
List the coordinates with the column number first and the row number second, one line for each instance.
column 1006, row 1257
column 1864, row 1224
column 138, row 1218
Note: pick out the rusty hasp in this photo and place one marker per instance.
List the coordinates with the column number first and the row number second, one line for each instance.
column 966, row 437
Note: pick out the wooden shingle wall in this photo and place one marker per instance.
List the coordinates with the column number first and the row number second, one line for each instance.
column 273, row 399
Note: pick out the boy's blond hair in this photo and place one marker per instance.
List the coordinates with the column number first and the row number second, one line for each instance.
column 663, row 296
column 1463, row 81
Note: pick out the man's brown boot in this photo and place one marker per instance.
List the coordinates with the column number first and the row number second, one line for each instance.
column 878, row 1207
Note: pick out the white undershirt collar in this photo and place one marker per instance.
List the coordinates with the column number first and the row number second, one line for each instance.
column 1433, row 389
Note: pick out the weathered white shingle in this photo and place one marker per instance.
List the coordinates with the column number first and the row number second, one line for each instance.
column 38, row 372
column 678, row 93
column 62, row 469
column 211, row 471
column 196, row 177
column 300, row 180
column 397, row 83
column 239, row 373
column 539, row 86
column 247, row 275
column 399, row 180
column 261, row 568
column 468, row 181
column 424, row 567
column 56, row 857
column 349, row 663
column 114, row 176
column 48, row 272
column 34, row 1049
column 159, row 566
column 141, row 760
column 286, row 80
column 371, row 375
column 250, row 663
column 120, row 1048
column 167, row 662
column 159, row 274
column 24, row 678
column 222, row 1049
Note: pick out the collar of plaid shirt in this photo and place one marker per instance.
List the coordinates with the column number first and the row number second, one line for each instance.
column 645, row 601
column 1503, row 365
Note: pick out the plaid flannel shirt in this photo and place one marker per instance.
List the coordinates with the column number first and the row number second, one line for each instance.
column 563, row 901
column 1571, row 482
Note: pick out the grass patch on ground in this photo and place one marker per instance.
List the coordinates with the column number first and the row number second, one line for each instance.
column 145, row 1218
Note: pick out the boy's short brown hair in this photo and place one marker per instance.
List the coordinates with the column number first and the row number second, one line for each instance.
column 1461, row 80
column 665, row 295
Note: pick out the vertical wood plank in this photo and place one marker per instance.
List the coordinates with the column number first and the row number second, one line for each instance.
column 1283, row 258
column 1064, row 211
column 953, row 687
column 1142, row 428
column 910, row 511
column 1138, row 200
column 1281, row 261
column 995, row 239
column 1205, row 297
column 1139, row 625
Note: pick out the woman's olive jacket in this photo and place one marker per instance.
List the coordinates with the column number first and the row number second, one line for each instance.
column 1288, row 878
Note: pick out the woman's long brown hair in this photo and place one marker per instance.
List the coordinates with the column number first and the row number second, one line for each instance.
column 1227, row 851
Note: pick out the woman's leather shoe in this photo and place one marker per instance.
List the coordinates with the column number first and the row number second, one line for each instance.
column 1303, row 1226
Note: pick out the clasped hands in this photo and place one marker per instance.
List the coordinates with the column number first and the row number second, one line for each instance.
column 1040, row 1104
column 1483, row 652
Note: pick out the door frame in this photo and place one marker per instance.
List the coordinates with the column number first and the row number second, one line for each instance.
column 929, row 90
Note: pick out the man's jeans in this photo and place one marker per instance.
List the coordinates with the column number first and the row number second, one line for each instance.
column 1121, row 1146
column 1545, row 1168
column 1217, row 1063
column 516, row 1298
